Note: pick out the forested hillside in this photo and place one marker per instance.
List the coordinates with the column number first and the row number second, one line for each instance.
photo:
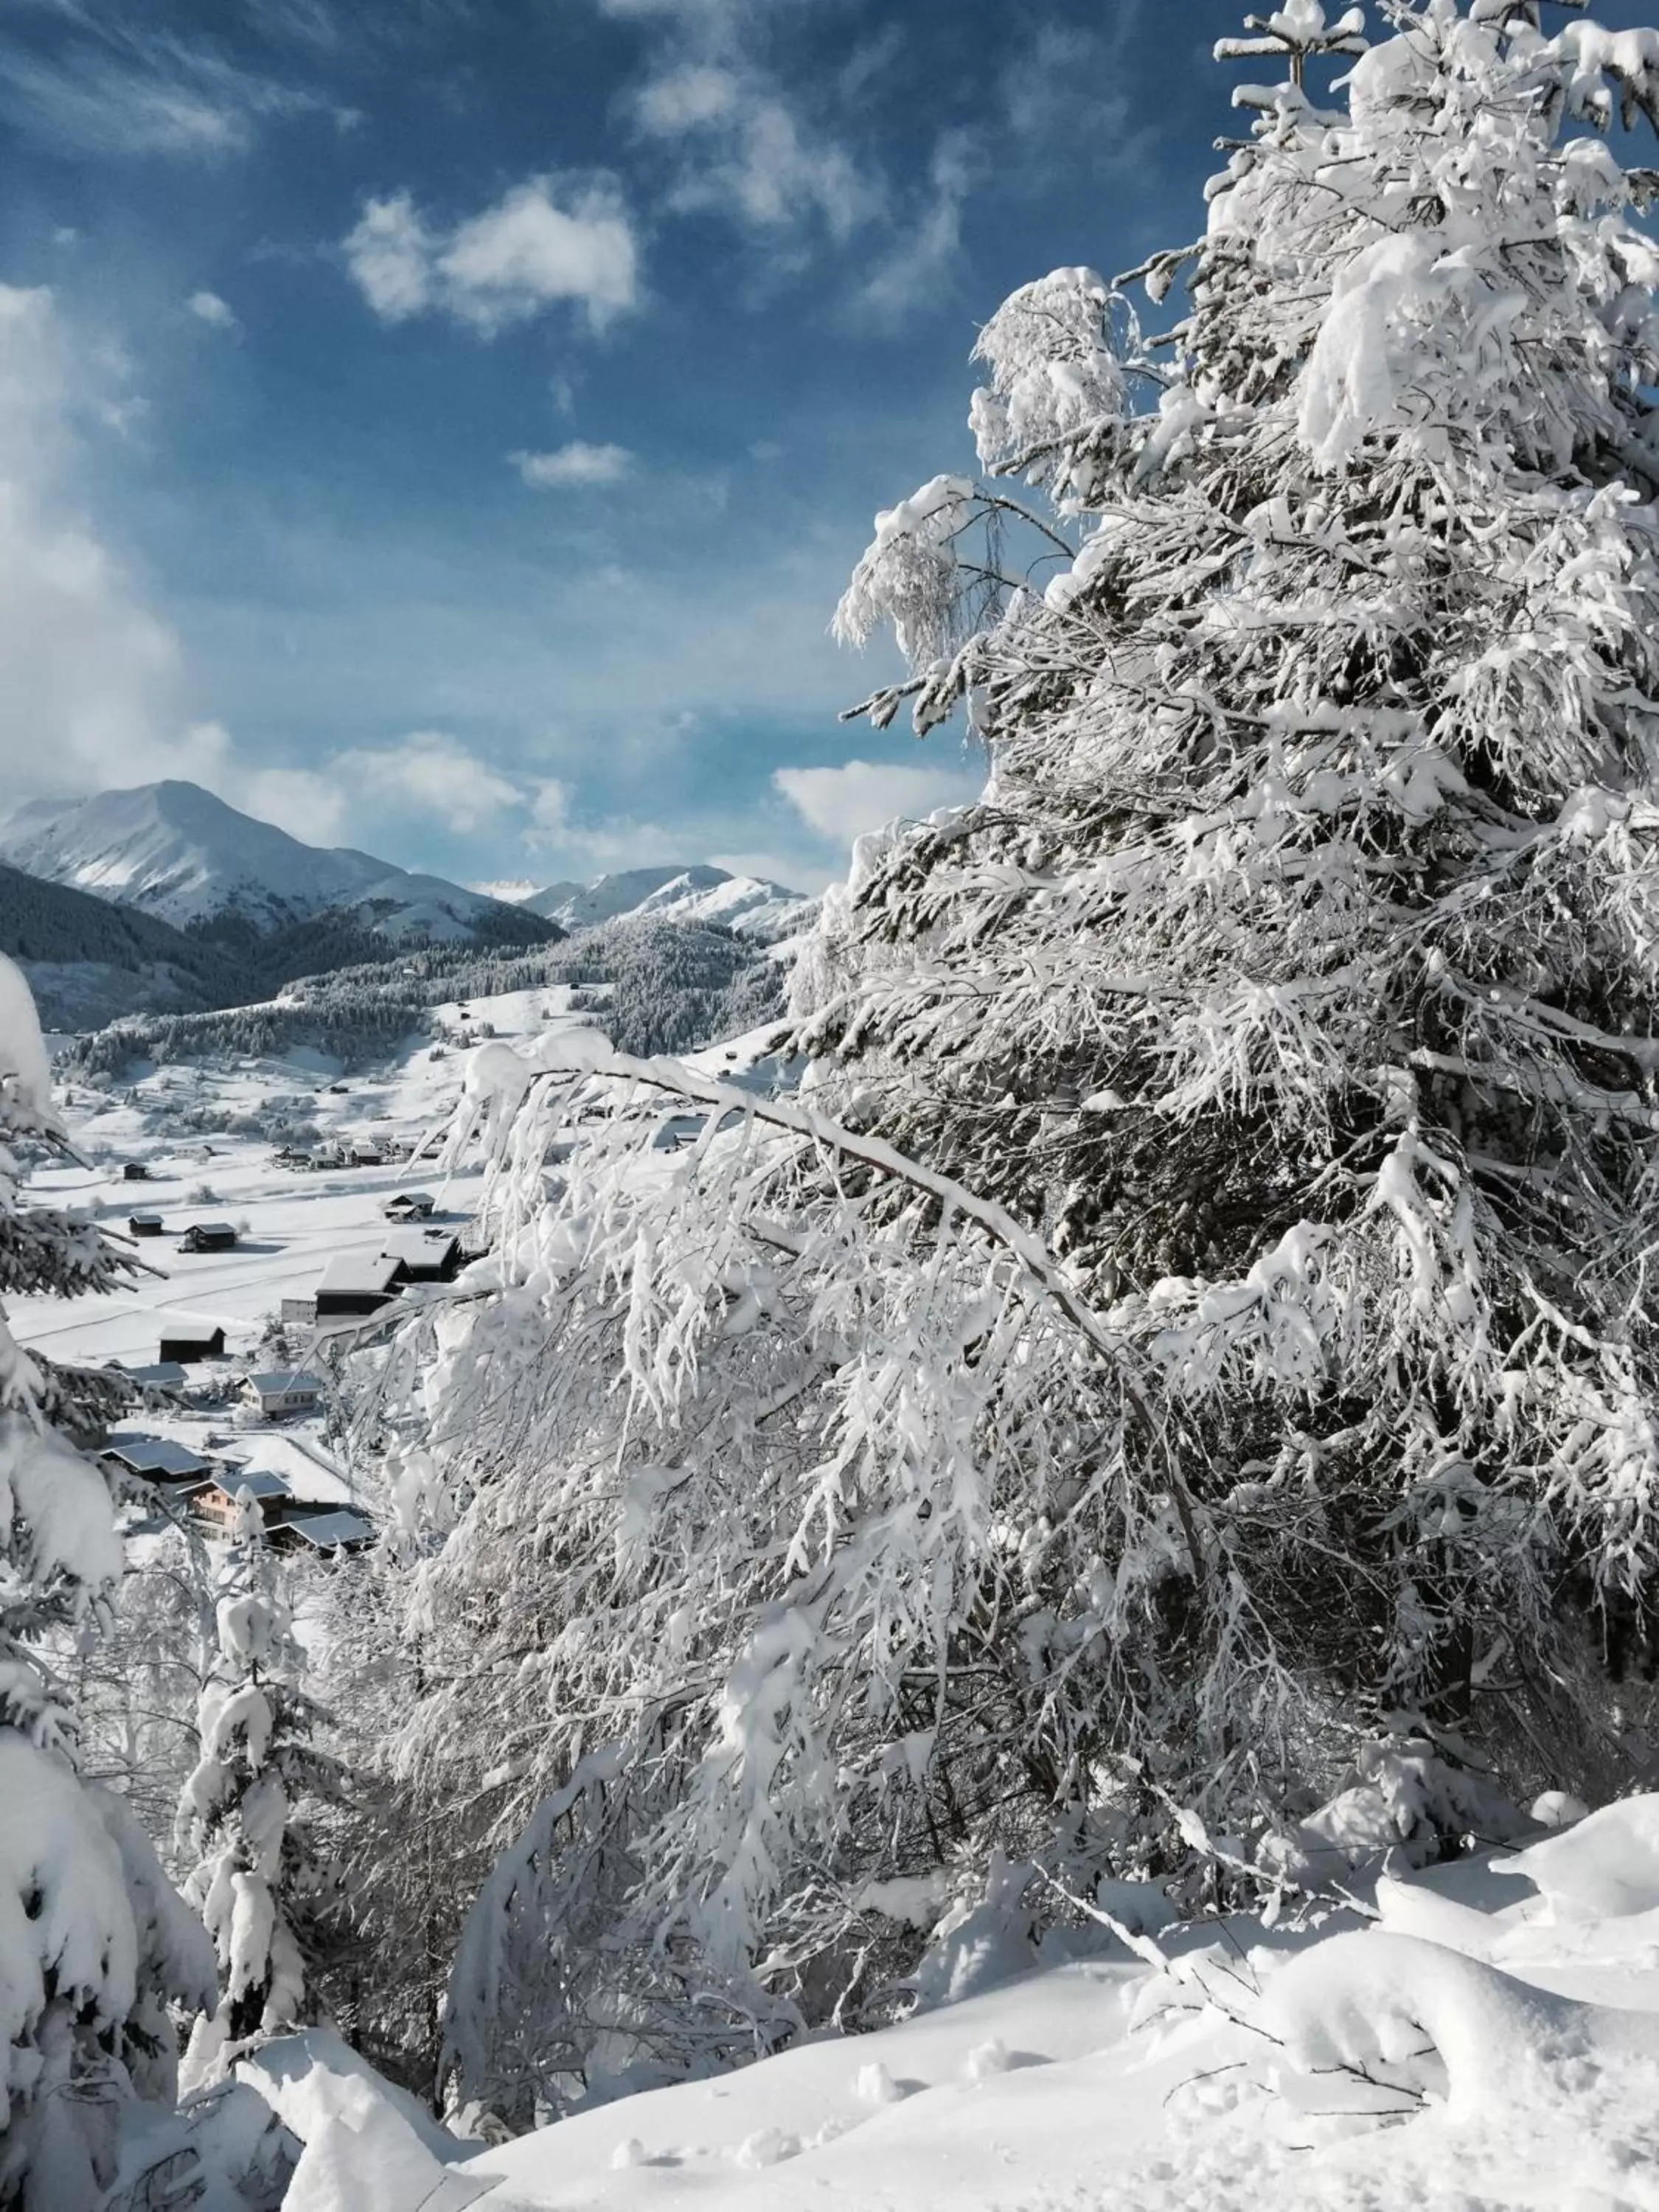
column 90, row 961
column 653, row 986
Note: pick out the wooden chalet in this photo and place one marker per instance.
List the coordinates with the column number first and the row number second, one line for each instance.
column 183, row 1348
column 209, row 1237
column 215, row 1501
column 145, row 1224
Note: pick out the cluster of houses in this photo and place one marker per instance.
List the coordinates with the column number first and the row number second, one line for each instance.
column 343, row 1152
column 354, row 1284
column 200, row 1236
column 210, row 1488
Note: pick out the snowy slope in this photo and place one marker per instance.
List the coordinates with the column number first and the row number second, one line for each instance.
column 1489, row 2042
column 175, row 850
column 745, row 903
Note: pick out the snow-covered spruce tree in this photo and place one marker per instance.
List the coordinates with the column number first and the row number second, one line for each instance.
column 266, row 1892
column 1293, row 982
column 94, row 1943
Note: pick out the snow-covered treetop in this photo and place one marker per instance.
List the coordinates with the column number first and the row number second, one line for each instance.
column 1448, row 263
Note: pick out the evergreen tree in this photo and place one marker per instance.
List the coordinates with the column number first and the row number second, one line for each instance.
column 1194, row 1321
column 265, row 1888
column 94, row 1943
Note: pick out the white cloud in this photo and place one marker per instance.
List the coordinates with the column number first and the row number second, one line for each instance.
column 578, row 462
column 428, row 773
column 218, row 315
column 842, row 802
column 390, row 253
column 550, row 812
column 310, row 803
column 532, row 251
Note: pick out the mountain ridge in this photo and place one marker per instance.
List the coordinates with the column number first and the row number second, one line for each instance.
column 752, row 906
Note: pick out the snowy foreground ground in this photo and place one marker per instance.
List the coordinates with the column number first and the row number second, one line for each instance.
column 1492, row 2040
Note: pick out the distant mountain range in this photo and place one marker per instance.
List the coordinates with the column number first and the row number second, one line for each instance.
column 747, row 904
column 175, row 851
column 165, row 899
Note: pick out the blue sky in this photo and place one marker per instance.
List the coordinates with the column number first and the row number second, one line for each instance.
column 446, row 426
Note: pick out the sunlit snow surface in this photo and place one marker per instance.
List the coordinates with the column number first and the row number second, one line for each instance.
column 1491, row 2041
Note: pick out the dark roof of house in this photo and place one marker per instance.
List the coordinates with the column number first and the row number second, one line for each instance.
column 271, row 1386
column 326, row 1529
column 155, row 1455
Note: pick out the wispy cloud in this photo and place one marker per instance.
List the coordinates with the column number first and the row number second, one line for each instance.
column 930, row 251
column 543, row 243
column 578, row 462
column 113, row 88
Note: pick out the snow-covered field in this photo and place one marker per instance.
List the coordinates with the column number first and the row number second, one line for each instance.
column 1491, row 2039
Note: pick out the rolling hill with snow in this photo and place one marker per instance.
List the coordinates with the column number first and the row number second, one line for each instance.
column 175, row 851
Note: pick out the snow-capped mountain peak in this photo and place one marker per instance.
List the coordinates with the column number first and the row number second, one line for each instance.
column 176, row 851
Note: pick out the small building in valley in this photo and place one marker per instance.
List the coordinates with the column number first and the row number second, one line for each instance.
column 185, row 1344
column 360, row 1283
column 429, row 1255
column 281, row 1395
column 341, row 1530
column 135, row 1172
column 166, row 1377
column 209, row 1237
column 410, row 1206
column 145, row 1224
column 154, row 1459
column 216, row 1501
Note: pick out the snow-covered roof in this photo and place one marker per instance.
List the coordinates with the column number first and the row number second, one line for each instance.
column 213, row 1228
column 420, row 1248
column 360, row 1271
column 160, row 1374
column 255, row 1480
column 283, row 1385
column 151, row 1456
column 325, row 1530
